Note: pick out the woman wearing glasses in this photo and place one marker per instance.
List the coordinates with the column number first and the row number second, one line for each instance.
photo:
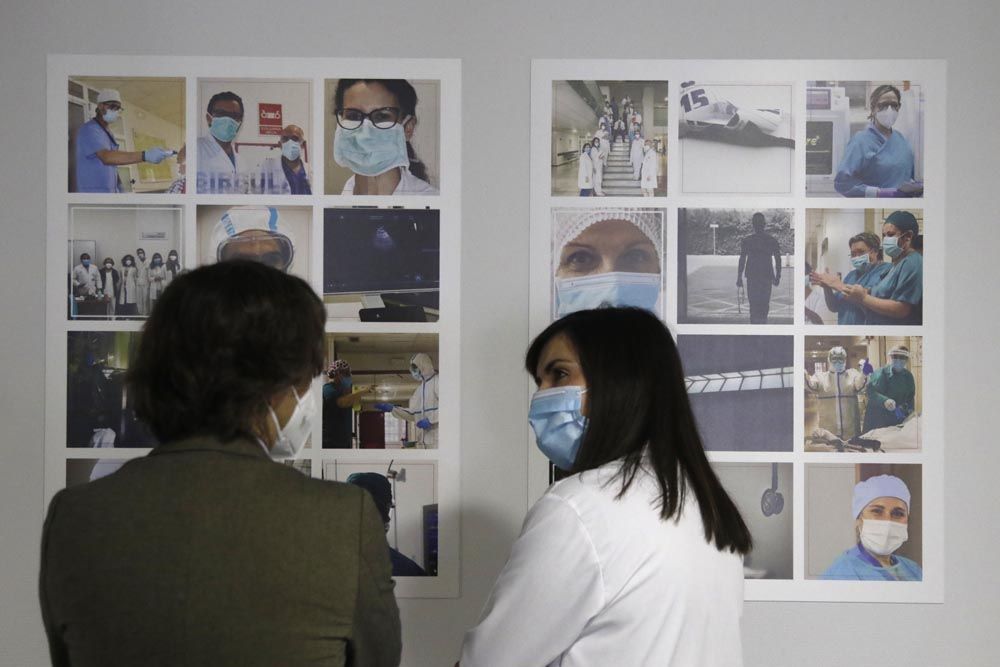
column 878, row 161
column 375, row 123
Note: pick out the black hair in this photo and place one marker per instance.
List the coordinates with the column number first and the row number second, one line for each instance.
column 85, row 254
column 638, row 407
column 406, row 96
column 879, row 92
column 222, row 341
column 758, row 221
column 226, row 96
column 128, row 257
column 904, row 221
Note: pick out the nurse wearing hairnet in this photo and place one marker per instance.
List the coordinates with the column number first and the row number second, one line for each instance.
column 837, row 393
column 607, row 257
column 423, row 407
column 881, row 511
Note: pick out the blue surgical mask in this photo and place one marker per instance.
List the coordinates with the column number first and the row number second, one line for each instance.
column 861, row 262
column 370, row 151
column 224, row 128
column 85, row 262
column 618, row 288
column 899, row 365
column 110, row 115
column 558, row 423
column 838, row 366
column 291, row 150
column 890, row 246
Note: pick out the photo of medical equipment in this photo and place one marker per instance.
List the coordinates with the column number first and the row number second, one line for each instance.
column 863, row 394
column 741, row 390
column 382, row 265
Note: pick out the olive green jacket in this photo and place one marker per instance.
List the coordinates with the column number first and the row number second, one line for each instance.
column 205, row 553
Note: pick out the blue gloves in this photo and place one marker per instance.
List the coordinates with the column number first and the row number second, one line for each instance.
column 156, row 155
column 424, row 423
column 867, row 369
column 384, row 407
column 900, row 414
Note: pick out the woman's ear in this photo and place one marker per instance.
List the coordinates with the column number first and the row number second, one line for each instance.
column 409, row 127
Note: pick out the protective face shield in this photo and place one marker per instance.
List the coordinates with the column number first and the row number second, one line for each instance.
column 899, row 357
column 370, row 151
column 291, row 150
column 254, row 233
column 838, row 359
column 293, row 435
column 618, row 288
column 883, row 537
column 887, row 117
column 421, row 367
column 558, row 423
column 224, row 128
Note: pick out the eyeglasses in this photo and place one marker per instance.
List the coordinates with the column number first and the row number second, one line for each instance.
column 114, row 106
column 882, row 106
column 384, row 118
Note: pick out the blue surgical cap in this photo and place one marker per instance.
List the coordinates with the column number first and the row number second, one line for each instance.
column 882, row 486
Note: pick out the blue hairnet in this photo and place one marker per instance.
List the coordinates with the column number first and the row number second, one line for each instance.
column 882, row 486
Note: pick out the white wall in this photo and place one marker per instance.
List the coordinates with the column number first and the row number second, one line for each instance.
column 496, row 42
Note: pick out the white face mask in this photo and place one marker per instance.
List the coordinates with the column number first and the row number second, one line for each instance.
column 292, row 437
column 887, row 116
column 882, row 537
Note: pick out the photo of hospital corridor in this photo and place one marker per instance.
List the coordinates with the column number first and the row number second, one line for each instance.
column 405, row 494
column 615, row 112
column 740, row 389
column 381, row 391
column 863, row 393
column 735, row 266
column 151, row 116
column 99, row 410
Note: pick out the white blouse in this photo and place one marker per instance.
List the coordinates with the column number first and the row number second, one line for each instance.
column 595, row 581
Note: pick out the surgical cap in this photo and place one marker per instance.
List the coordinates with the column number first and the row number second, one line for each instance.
column 340, row 366
column 837, row 353
column 903, row 221
column 109, row 95
column 379, row 488
column 570, row 223
column 241, row 219
column 882, row 486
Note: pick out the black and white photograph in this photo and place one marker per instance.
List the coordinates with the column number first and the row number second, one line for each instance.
column 609, row 138
column 741, row 390
column 382, row 265
column 735, row 266
column 736, row 138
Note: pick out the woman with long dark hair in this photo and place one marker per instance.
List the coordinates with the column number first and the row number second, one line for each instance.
column 636, row 557
column 376, row 119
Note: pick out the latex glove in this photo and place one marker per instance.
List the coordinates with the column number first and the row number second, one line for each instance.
column 911, row 189
column 424, row 423
column 890, row 404
column 156, row 155
column 868, row 369
column 900, row 415
column 384, row 407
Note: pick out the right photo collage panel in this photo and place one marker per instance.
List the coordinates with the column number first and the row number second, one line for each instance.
column 777, row 226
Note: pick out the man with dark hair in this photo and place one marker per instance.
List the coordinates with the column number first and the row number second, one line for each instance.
column 381, row 491
column 208, row 551
column 85, row 277
column 218, row 171
column 756, row 253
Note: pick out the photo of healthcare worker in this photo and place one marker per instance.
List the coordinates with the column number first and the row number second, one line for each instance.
column 741, row 390
column 736, row 138
column 607, row 256
column 864, row 266
column 381, row 391
column 99, row 412
column 609, row 138
column 863, row 393
column 385, row 136
column 735, row 266
column 124, row 133
column 405, row 494
column 863, row 522
column 763, row 494
column 121, row 258
column 254, row 137
column 382, row 265
column 278, row 236
column 864, row 139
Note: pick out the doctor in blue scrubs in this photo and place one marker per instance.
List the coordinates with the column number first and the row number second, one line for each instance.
column 899, row 297
column 97, row 155
column 869, row 270
column 881, row 508
column 878, row 161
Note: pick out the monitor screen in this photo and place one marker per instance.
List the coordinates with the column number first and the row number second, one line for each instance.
column 378, row 251
column 818, row 98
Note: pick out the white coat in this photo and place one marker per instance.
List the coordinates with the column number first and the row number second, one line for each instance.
column 408, row 185
column 597, row 581
column 650, row 170
column 217, row 174
column 273, row 180
column 585, row 174
column 85, row 280
column 635, row 158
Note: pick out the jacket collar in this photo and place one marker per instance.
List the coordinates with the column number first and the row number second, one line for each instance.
column 241, row 446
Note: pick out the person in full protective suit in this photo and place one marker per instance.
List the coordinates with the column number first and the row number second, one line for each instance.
column 891, row 390
column 423, row 406
column 837, row 391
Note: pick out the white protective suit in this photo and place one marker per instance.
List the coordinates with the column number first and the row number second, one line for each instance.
column 424, row 401
column 585, row 174
column 650, row 170
column 635, row 157
column 600, row 160
column 837, row 395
